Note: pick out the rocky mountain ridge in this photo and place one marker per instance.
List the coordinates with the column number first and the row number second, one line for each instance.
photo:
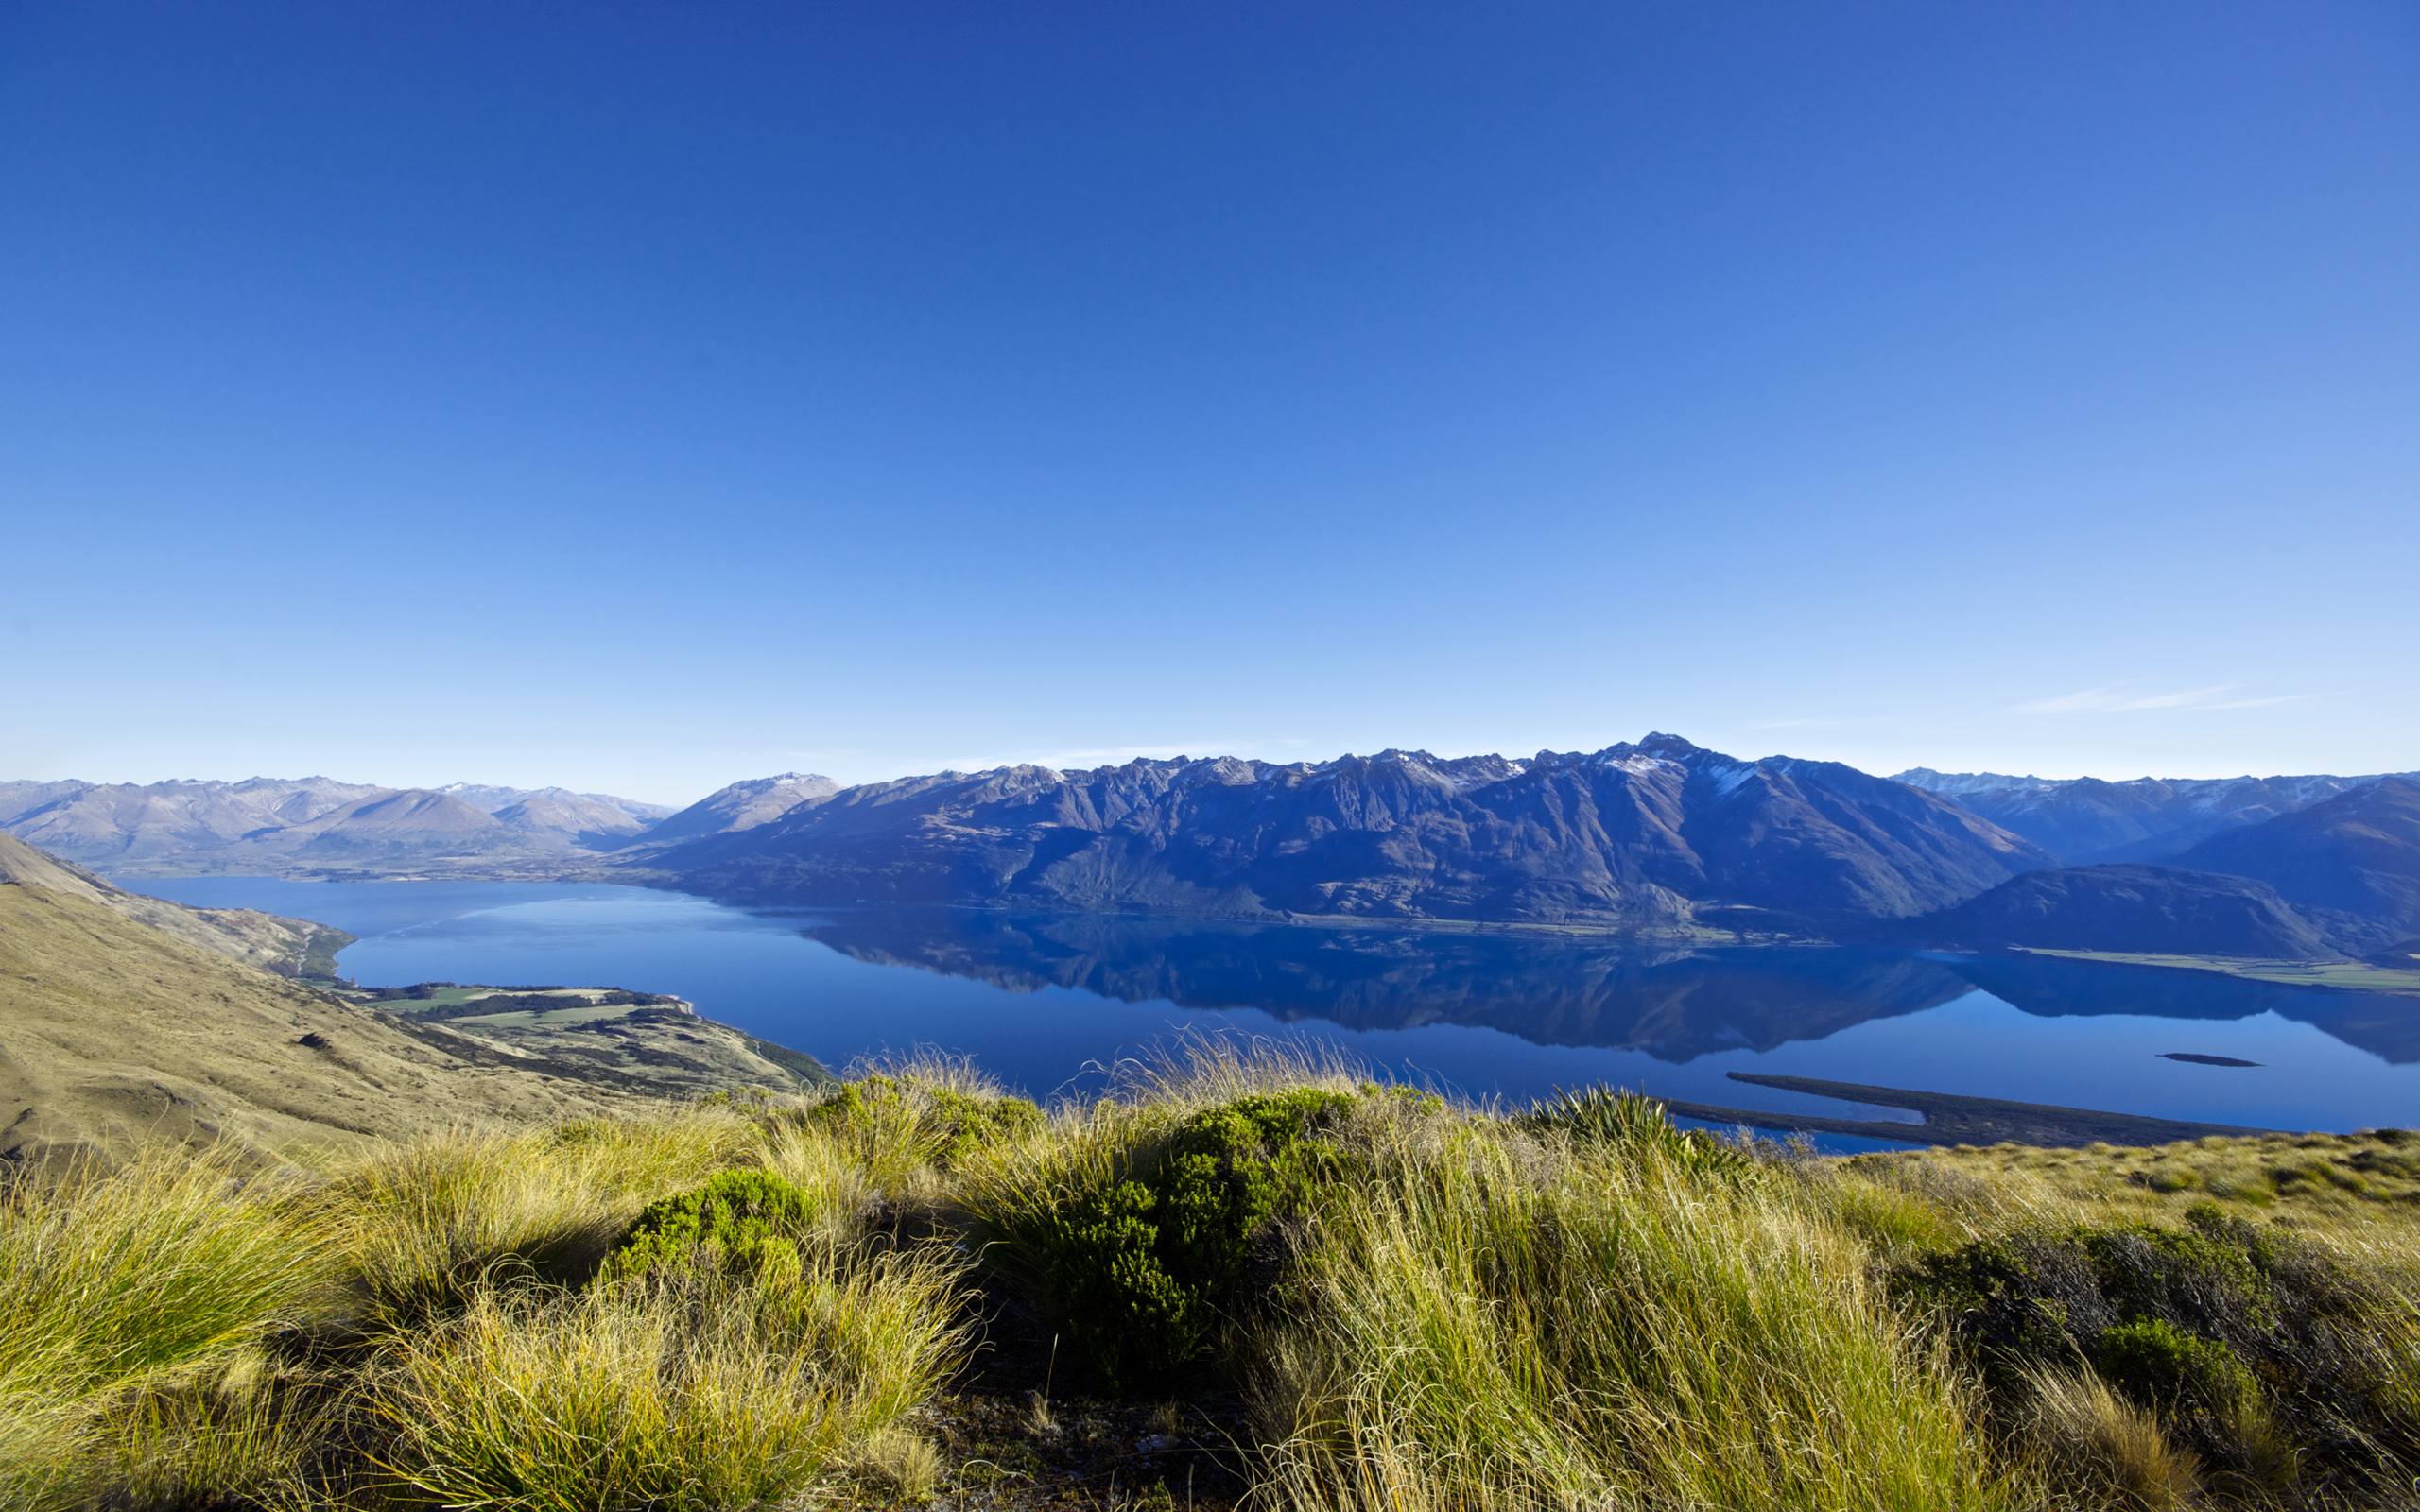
column 1660, row 832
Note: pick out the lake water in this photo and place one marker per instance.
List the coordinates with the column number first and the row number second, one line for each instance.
column 1045, row 1000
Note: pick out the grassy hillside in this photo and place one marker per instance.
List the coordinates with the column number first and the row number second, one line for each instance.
column 1235, row 1283
column 115, row 1033
column 288, row 946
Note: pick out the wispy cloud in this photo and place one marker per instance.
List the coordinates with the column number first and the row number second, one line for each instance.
column 2133, row 697
column 2269, row 702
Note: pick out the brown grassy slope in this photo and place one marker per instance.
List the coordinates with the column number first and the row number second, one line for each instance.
column 268, row 941
column 115, row 1034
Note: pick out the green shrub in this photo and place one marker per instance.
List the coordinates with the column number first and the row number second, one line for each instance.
column 2161, row 1365
column 746, row 1221
column 2013, row 1302
column 2193, row 1278
column 1144, row 1271
column 2265, row 1354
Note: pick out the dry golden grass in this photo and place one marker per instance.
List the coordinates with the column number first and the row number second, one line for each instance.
column 700, row 1394
column 1519, row 1323
column 2103, row 1450
column 1478, row 1311
column 2359, row 1191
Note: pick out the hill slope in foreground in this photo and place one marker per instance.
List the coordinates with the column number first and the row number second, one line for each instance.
column 127, row 1020
column 1231, row 1284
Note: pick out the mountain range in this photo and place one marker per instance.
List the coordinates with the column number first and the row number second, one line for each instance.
column 276, row 824
column 2341, row 878
column 2352, row 862
column 2083, row 821
column 1658, row 834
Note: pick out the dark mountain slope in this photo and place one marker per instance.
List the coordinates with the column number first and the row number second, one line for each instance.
column 2358, row 853
column 2155, row 910
column 1654, row 832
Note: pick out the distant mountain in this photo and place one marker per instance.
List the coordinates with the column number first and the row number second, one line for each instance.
column 301, row 799
column 279, row 823
column 2357, row 855
column 2151, row 910
column 24, row 798
column 490, row 799
column 118, row 820
column 485, row 797
column 576, row 819
column 2086, row 819
column 413, row 820
column 1658, row 833
column 743, row 805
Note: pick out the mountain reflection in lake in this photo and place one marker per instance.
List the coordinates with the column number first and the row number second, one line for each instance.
column 1678, row 1003
column 1042, row 1000
column 1673, row 1001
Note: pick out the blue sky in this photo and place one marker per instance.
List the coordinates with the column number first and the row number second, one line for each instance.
column 639, row 397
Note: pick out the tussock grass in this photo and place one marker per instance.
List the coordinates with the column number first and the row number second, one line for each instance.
column 1515, row 1324
column 1423, row 1304
column 252, row 1435
column 133, row 1302
column 2106, row 1451
column 432, row 1224
column 902, row 1124
column 693, row 1394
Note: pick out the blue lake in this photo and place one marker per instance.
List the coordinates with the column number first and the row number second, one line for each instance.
column 1045, row 1000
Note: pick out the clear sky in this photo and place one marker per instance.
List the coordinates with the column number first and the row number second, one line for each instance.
column 637, row 397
